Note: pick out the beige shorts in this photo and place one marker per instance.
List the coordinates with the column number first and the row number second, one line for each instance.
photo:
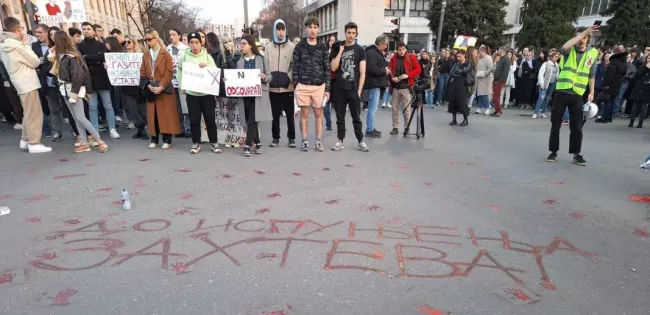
column 310, row 95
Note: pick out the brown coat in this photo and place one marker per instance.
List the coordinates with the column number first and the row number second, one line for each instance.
column 165, row 105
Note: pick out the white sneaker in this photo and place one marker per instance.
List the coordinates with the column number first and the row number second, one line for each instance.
column 23, row 144
column 66, row 120
column 383, row 105
column 114, row 134
column 389, row 106
column 478, row 111
column 130, row 126
column 487, row 112
column 544, row 116
column 534, row 116
column 38, row 148
column 152, row 145
column 166, row 146
column 18, row 127
column 118, row 119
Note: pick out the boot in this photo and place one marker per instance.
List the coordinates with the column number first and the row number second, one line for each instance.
column 453, row 120
column 640, row 125
column 631, row 123
column 465, row 121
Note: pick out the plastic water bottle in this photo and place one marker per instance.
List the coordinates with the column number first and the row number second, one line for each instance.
column 126, row 201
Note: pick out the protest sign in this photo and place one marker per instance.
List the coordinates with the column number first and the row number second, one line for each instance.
column 175, row 59
column 230, row 131
column 54, row 12
column 201, row 80
column 243, row 82
column 464, row 41
column 124, row 68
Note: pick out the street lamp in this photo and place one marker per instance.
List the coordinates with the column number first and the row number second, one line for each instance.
column 442, row 18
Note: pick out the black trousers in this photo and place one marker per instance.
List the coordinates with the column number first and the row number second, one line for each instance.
column 640, row 110
column 6, row 109
column 202, row 105
column 341, row 99
column 166, row 137
column 252, row 127
column 562, row 100
column 282, row 102
column 137, row 111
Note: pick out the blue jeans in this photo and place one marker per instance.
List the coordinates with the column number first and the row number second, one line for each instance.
column 373, row 104
column 441, row 86
column 387, row 97
column 108, row 107
column 483, row 101
column 566, row 114
column 430, row 97
column 328, row 114
column 544, row 98
column 619, row 99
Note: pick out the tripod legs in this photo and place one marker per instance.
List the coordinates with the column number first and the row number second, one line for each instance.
column 419, row 120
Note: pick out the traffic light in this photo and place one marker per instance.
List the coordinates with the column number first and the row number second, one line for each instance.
column 395, row 34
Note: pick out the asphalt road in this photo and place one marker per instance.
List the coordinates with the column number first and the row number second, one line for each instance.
column 466, row 221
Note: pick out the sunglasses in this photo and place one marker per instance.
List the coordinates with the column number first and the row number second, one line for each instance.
column 148, row 39
column 129, row 42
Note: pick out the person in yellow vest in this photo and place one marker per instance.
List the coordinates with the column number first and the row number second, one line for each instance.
column 577, row 71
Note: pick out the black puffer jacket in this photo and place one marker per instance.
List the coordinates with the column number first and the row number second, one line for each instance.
column 75, row 72
column 375, row 69
column 311, row 68
column 615, row 74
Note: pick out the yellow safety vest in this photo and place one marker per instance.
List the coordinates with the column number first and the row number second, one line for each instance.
column 574, row 75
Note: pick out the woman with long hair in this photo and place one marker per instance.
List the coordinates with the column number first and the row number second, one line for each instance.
column 156, row 74
column 546, row 81
column 74, row 77
column 132, row 98
column 461, row 79
column 640, row 94
column 510, row 83
column 472, row 52
column 255, row 109
column 202, row 34
column 177, row 49
column 213, row 47
column 327, row 111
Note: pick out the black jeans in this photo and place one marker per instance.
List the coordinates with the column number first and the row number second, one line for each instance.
column 137, row 112
column 640, row 110
column 282, row 102
column 166, row 137
column 341, row 98
column 202, row 105
column 562, row 100
column 252, row 127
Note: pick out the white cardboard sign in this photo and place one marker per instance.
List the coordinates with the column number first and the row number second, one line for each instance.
column 243, row 82
column 201, row 80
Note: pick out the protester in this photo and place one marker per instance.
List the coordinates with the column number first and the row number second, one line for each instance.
column 501, row 71
column 202, row 34
column 120, row 37
column 327, row 111
column 177, row 49
column 404, row 68
column 99, row 32
column 279, row 57
column 376, row 78
column 156, row 75
column 132, row 98
column 349, row 64
column 528, row 73
column 546, row 81
column 510, row 82
column 484, row 78
column 93, row 52
column 461, row 78
column 311, row 74
column 21, row 63
column 472, row 57
column 9, row 91
column 640, row 94
column 254, row 109
column 613, row 85
column 75, row 33
column 199, row 103
column 75, row 79
column 444, row 67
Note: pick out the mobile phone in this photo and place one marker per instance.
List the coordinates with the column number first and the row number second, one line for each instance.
column 598, row 22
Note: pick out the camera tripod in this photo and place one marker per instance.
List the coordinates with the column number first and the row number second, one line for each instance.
column 416, row 106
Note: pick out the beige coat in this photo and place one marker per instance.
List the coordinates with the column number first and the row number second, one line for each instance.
column 21, row 63
column 280, row 59
column 484, row 81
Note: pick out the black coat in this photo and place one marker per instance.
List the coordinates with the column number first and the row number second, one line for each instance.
column 641, row 89
column 42, row 75
column 227, row 62
column 615, row 74
column 93, row 52
column 375, row 69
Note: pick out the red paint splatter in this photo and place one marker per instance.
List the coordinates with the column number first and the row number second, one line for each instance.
column 326, row 169
column 493, row 207
column 428, row 184
column 269, row 256
column 69, row 176
column 274, row 195
column 180, row 267
column 201, row 235
column 38, row 197
column 378, row 254
column 577, row 215
column 6, row 278
column 373, row 208
column 63, row 297
column 258, row 172
column 397, row 187
column 138, row 185
column 182, row 212
column 72, row 221
column 55, row 236
column 227, row 176
column 106, row 189
column 518, row 293
column 428, row 310
column 452, row 163
column 5, row 197
column 187, row 196
column 34, row 219
column 273, row 230
column 349, row 165
column 63, row 160
column 558, row 182
column 263, row 211
column 184, row 170
column 548, row 285
column 331, row 202
column 395, row 220
column 297, row 174
column 116, row 202
column 549, row 201
column 640, row 232
column 111, row 243
column 48, row 256
column 144, row 160
column 640, row 198
column 31, row 170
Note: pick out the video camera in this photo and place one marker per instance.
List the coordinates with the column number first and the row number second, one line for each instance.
column 421, row 85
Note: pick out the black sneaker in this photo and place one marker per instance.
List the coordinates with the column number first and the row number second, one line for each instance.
column 247, row 151
column 394, row 131
column 275, row 143
column 305, row 146
column 578, row 159
column 292, row 143
column 552, row 157
column 57, row 137
column 329, row 128
column 373, row 134
column 258, row 149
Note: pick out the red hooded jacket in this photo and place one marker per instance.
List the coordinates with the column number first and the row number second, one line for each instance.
column 411, row 66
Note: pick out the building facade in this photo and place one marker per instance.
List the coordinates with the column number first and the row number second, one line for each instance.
column 221, row 29
column 374, row 18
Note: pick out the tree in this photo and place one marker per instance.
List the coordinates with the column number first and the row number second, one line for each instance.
column 483, row 19
column 163, row 15
column 629, row 23
column 548, row 23
column 292, row 12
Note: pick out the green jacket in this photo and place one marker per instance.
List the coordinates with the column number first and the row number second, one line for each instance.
column 202, row 56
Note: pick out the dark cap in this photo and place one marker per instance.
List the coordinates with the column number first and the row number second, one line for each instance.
column 193, row 35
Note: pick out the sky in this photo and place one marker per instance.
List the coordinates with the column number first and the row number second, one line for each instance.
column 225, row 11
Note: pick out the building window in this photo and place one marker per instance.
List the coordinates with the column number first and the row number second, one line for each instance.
column 394, row 7
column 417, row 41
column 419, row 8
column 520, row 14
column 595, row 7
column 123, row 10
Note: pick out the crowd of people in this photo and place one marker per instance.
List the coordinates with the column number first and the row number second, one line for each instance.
column 63, row 77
